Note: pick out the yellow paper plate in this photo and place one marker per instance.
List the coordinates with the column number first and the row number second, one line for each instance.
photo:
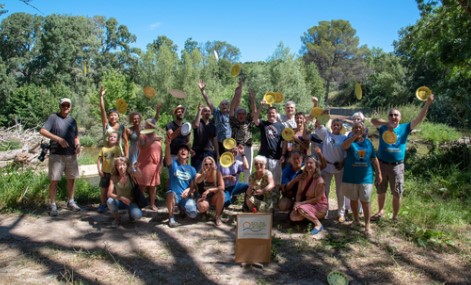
column 235, row 70
column 229, row 143
column 358, row 91
column 278, row 97
column 149, row 92
column 337, row 278
column 323, row 119
column 121, row 106
column 288, row 134
column 269, row 98
column 177, row 93
column 389, row 137
column 148, row 131
column 226, row 159
column 422, row 93
column 316, row 112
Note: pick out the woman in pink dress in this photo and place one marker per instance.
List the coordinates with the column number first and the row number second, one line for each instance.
column 149, row 161
column 311, row 202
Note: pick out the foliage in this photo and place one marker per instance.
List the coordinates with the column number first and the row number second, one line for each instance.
column 333, row 47
column 437, row 52
column 10, row 145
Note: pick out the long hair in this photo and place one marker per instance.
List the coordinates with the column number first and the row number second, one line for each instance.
column 114, row 171
column 214, row 168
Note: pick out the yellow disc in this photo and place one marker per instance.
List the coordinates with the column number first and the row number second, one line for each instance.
column 269, row 98
column 229, row 143
column 121, row 106
column 149, row 92
column 288, row 134
column 337, row 278
column 422, row 93
column 278, row 97
column 358, row 91
column 323, row 119
column 235, row 70
column 316, row 112
column 226, row 159
column 389, row 137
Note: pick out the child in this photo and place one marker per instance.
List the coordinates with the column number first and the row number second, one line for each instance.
column 104, row 165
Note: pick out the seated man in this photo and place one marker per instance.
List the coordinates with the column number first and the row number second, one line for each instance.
column 231, row 176
column 180, row 176
column 289, row 181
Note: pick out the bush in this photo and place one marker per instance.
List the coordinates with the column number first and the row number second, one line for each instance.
column 87, row 141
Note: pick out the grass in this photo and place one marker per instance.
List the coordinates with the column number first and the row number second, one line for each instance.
column 10, row 145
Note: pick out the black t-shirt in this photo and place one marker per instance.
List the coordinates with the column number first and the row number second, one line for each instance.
column 203, row 136
column 178, row 141
column 270, row 139
column 65, row 128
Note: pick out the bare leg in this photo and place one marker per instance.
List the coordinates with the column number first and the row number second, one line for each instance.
column 396, row 203
column 53, row 191
column 366, row 213
column 381, row 200
column 152, row 198
column 71, row 188
column 170, row 202
column 354, row 206
column 314, row 219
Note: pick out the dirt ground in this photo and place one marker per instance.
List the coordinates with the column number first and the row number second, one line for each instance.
column 82, row 248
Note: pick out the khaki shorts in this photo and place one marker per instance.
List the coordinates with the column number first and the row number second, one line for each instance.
column 59, row 164
column 392, row 175
column 356, row 192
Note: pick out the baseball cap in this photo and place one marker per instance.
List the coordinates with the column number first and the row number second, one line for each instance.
column 65, row 100
column 184, row 146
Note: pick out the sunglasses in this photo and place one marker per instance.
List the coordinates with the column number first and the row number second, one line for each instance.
column 393, row 115
column 65, row 105
column 208, row 164
column 258, row 163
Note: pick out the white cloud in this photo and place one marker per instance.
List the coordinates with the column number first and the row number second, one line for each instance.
column 154, row 26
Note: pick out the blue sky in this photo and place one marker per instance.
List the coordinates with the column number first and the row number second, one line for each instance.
column 256, row 27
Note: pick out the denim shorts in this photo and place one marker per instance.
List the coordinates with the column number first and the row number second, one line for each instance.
column 188, row 204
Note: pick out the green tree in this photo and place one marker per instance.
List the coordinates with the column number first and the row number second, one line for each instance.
column 333, row 47
column 437, row 52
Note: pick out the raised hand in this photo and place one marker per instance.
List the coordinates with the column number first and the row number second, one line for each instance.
column 201, row 85
column 102, row 91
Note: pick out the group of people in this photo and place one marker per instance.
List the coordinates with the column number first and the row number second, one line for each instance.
column 291, row 175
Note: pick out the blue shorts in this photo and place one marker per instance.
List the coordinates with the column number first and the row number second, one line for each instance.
column 188, row 204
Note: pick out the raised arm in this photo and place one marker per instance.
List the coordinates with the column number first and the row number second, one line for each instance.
column 378, row 122
column 202, row 87
column 256, row 115
column 157, row 111
column 196, row 121
column 236, row 100
column 104, row 119
column 423, row 112
column 168, row 155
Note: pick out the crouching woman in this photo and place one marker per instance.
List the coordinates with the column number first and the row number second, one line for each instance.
column 120, row 194
column 311, row 202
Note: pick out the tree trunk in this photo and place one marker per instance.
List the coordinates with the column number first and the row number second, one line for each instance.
column 327, row 90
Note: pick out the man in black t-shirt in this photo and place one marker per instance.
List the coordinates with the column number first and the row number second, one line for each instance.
column 173, row 129
column 62, row 131
column 204, row 138
column 270, row 140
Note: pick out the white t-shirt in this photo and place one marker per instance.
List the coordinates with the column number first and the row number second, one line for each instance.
column 332, row 149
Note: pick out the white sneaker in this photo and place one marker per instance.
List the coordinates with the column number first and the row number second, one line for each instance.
column 73, row 206
column 53, row 210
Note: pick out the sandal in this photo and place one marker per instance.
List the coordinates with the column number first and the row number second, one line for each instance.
column 376, row 217
column 395, row 220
